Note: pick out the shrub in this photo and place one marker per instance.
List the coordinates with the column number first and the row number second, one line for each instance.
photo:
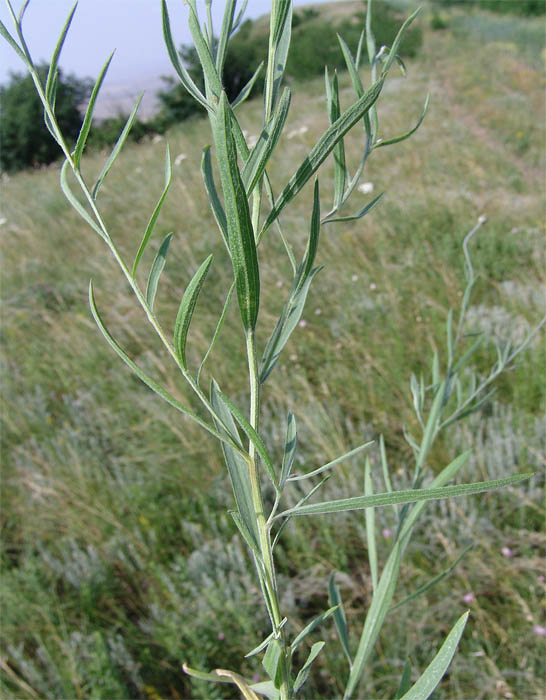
column 24, row 137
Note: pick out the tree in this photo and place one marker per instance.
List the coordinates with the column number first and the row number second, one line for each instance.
column 24, row 139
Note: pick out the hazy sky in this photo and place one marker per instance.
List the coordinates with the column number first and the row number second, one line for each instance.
column 132, row 27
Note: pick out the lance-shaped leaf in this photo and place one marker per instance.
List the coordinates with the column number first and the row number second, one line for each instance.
column 405, row 681
column 339, row 615
column 324, row 146
column 186, row 309
column 433, row 581
column 11, row 41
column 306, row 668
column 293, row 308
column 403, row 137
column 262, row 645
column 370, row 525
column 221, row 675
column 279, row 44
column 53, row 71
column 75, row 203
column 247, row 89
column 253, row 437
column 117, row 148
column 88, row 118
column 259, row 157
column 212, row 79
column 358, row 215
column 267, row 689
column 156, row 270
column 333, row 463
column 311, row 626
column 225, row 32
column 290, row 447
column 237, row 466
column 299, row 503
column 183, row 74
column 334, row 112
column 393, row 53
column 154, row 386
column 214, row 200
column 435, row 671
column 242, row 245
column 155, row 214
column 405, row 496
column 272, row 661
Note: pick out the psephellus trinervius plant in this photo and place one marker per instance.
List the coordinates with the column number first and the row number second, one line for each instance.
column 246, row 208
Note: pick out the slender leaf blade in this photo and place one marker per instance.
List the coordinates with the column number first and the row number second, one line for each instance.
column 306, row 668
column 65, row 187
column 407, row 134
column 339, row 615
column 405, row 681
column 370, row 525
column 186, row 309
column 156, row 270
column 311, row 626
column 52, row 72
column 247, row 89
column 333, row 463
column 290, row 447
column 435, row 671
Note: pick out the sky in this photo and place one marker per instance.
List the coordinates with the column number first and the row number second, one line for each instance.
column 132, row 27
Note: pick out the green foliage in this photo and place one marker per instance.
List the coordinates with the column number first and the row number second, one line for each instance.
column 524, row 8
column 25, row 140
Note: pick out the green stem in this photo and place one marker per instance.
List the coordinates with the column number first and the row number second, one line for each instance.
column 263, row 528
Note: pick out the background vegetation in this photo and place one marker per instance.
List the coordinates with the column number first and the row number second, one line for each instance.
column 114, row 510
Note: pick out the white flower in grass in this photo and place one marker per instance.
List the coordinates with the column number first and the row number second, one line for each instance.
column 3, row 220
column 302, row 323
column 318, row 312
column 507, row 552
column 179, row 158
column 373, row 286
column 354, row 278
column 366, row 187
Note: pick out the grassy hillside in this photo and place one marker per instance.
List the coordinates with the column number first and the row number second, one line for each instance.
column 119, row 559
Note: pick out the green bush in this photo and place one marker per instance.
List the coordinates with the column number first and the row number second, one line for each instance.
column 24, row 139
column 514, row 7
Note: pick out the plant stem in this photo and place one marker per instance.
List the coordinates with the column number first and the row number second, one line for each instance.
column 263, row 529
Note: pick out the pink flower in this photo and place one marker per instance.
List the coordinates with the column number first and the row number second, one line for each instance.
column 540, row 630
column 302, row 323
column 386, row 532
column 507, row 552
column 469, row 598
column 220, row 636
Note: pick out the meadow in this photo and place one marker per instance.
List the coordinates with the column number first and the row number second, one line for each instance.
column 119, row 558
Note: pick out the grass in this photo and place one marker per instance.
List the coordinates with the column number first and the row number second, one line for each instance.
column 114, row 509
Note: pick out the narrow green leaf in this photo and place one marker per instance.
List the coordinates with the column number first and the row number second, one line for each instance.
column 375, row 617
column 370, row 525
column 214, row 200
column 449, row 336
column 246, row 535
column 253, row 437
column 272, row 660
column 405, row 496
column 266, row 641
column 311, row 626
column 267, row 689
column 11, row 41
column 75, row 203
column 186, row 309
column 306, row 669
column 396, row 43
column 247, row 89
column 312, row 243
column 279, row 44
column 212, row 79
column 351, row 66
column 241, row 241
column 356, row 216
column 403, row 137
column 435, row 671
column 435, row 369
column 153, row 219
column 339, row 616
column 237, row 466
column 299, row 503
column 117, row 148
column 219, row 326
column 429, row 584
column 156, row 270
column 333, row 463
column 467, row 355
column 182, row 73
column 225, row 33
column 88, row 118
column 405, row 681
column 261, row 153
column 340, row 168
column 324, row 146
column 154, row 386
column 290, row 447
column 52, row 72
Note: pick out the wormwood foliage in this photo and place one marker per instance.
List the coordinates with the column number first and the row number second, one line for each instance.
column 246, row 209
